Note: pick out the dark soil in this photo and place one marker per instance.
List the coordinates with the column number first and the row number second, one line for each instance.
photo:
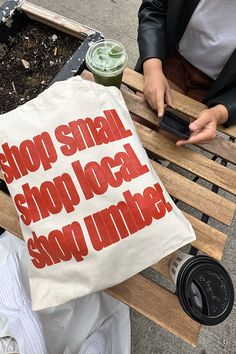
column 43, row 51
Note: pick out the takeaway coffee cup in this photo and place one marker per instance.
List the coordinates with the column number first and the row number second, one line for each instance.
column 204, row 288
column 107, row 59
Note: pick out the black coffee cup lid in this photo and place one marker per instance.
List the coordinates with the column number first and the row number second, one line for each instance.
column 205, row 290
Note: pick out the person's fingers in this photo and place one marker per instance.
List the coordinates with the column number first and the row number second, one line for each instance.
column 160, row 106
column 152, row 103
column 200, row 122
column 156, row 97
column 182, row 142
column 203, row 137
column 168, row 98
column 150, row 98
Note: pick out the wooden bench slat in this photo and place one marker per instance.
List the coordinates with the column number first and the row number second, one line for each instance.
column 212, row 204
column 139, row 107
column 133, row 79
column 231, row 131
column 218, row 146
column 163, row 265
column 158, row 304
column 56, row 21
column 9, row 219
column 183, row 103
column 217, row 252
column 188, row 159
column 221, row 148
column 209, row 240
column 196, row 196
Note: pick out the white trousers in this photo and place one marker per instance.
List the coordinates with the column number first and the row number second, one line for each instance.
column 94, row 324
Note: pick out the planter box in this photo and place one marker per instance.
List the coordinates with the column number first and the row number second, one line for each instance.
column 27, row 69
column 38, row 47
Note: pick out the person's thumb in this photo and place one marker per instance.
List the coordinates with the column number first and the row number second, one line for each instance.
column 199, row 123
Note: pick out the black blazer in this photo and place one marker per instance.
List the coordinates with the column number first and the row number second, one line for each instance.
column 161, row 25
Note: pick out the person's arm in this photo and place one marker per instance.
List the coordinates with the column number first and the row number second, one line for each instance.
column 152, row 46
column 156, row 87
column 152, row 29
column 203, row 129
column 227, row 99
column 221, row 111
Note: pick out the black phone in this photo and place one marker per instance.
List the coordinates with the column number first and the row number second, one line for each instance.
column 176, row 123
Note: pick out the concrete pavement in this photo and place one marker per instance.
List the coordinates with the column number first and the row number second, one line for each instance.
column 117, row 19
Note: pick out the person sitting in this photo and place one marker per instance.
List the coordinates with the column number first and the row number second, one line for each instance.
column 189, row 45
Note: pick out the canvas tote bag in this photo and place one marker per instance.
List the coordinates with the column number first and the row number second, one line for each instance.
column 93, row 212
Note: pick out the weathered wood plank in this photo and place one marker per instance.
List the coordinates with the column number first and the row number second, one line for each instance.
column 219, row 146
column 196, row 196
column 9, row 219
column 163, row 265
column 56, row 21
column 183, row 103
column 222, row 148
column 139, row 107
column 158, row 304
column 209, row 240
column 187, row 159
column 211, row 204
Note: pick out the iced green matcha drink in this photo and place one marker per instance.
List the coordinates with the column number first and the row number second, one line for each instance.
column 107, row 59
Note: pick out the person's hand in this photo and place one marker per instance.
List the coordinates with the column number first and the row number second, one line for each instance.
column 156, row 87
column 203, row 129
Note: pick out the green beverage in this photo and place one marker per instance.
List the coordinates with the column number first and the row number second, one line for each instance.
column 107, row 59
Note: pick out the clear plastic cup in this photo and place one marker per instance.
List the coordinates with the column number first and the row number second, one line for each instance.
column 106, row 59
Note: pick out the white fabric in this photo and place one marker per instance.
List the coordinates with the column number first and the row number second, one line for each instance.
column 105, row 340
column 210, row 36
column 15, row 307
column 67, row 327
column 72, row 323
column 8, row 345
column 93, row 211
column 100, row 342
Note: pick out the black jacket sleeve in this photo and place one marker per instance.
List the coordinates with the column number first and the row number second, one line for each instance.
column 152, row 29
column 228, row 99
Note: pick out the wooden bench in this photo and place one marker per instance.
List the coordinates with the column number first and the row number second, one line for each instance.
column 139, row 292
